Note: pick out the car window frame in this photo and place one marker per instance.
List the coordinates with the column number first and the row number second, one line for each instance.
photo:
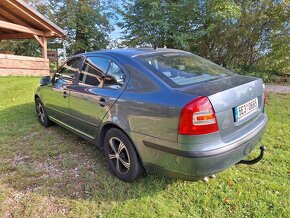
column 111, row 59
column 82, row 66
column 76, row 76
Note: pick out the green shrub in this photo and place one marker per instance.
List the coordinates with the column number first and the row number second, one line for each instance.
column 267, row 76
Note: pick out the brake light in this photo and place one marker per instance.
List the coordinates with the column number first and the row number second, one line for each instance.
column 197, row 117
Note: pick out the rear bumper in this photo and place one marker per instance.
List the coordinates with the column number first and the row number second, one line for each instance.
column 195, row 164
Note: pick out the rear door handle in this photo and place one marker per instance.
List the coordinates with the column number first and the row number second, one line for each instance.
column 102, row 102
column 65, row 94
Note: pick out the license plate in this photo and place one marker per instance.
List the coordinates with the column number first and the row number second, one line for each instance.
column 244, row 110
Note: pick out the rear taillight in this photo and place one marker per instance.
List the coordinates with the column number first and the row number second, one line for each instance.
column 197, row 117
column 265, row 95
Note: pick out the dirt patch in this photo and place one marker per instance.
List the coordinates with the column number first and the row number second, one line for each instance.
column 18, row 202
column 277, row 88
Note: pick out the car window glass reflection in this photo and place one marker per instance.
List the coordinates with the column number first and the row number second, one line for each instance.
column 67, row 73
column 94, row 71
column 115, row 77
column 179, row 69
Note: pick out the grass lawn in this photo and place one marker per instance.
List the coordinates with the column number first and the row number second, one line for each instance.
column 54, row 173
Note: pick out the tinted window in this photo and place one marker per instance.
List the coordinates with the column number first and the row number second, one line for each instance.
column 94, row 71
column 180, row 69
column 67, row 73
column 115, row 77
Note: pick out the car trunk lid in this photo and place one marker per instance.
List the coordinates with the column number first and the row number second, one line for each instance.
column 226, row 95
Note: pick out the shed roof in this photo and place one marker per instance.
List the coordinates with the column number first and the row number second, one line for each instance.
column 20, row 21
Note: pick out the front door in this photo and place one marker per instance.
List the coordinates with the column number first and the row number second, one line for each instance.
column 100, row 84
column 57, row 94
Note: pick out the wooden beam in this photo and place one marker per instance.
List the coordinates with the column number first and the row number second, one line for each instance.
column 39, row 40
column 10, row 17
column 16, row 36
column 24, row 10
column 19, row 28
column 37, row 18
column 30, row 16
column 43, row 43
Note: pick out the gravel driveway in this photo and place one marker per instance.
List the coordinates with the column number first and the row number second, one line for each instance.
column 278, row 88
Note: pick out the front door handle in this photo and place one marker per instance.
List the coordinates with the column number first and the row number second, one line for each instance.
column 65, row 95
column 102, row 102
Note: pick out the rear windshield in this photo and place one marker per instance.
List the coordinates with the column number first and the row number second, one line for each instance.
column 181, row 68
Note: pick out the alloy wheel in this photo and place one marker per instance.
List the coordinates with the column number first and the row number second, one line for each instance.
column 119, row 155
column 40, row 113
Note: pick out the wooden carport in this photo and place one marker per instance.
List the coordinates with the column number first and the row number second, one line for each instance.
column 20, row 21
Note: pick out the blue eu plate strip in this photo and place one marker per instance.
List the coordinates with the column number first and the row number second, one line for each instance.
column 236, row 114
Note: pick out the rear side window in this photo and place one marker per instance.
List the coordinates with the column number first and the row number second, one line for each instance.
column 181, row 68
column 94, row 71
column 115, row 77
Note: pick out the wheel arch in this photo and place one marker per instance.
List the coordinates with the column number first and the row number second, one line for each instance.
column 102, row 132
column 36, row 96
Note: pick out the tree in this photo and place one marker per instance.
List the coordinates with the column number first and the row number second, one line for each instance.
column 28, row 47
column 229, row 32
column 158, row 23
column 86, row 23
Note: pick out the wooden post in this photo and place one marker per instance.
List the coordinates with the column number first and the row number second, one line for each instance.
column 43, row 43
column 56, row 50
column 44, row 48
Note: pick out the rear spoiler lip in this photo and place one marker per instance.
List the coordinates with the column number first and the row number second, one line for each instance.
column 209, row 88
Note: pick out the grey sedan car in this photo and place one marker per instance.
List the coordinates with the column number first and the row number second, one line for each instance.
column 158, row 110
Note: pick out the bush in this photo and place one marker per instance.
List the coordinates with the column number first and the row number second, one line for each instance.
column 267, row 76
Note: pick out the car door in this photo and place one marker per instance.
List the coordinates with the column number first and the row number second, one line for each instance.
column 57, row 94
column 101, row 82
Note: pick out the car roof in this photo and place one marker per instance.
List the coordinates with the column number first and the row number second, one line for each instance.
column 130, row 52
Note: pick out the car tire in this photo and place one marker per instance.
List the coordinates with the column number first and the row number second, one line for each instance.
column 122, row 157
column 41, row 113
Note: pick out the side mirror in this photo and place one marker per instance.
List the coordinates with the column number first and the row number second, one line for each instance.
column 45, row 80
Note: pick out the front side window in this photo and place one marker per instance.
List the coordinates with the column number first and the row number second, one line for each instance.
column 68, row 71
column 115, row 77
column 94, row 71
column 181, row 68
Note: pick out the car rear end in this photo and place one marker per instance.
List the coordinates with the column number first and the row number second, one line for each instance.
column 219, row 127
column 225, row 127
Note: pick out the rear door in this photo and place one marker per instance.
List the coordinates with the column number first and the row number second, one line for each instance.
column 101, row 82
column 56, row 96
